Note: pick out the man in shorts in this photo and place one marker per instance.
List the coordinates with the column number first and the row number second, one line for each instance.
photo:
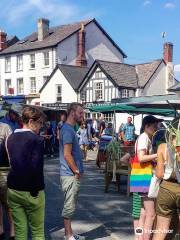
column 71, row 166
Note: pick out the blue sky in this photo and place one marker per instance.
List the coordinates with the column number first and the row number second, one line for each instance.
column 135, row 25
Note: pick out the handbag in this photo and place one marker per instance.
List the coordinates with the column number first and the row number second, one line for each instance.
column 154, row 187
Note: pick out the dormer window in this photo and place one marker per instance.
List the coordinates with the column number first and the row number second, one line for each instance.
column 32, row 61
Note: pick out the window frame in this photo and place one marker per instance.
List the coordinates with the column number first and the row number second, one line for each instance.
column 125, row 93
column 32, row 62
column 58, row 95
column 7, row 89
column 7, row 66
column 96, row 90
column 46, row 59
column 18, row 63
column 20, row 92
column 33, row 86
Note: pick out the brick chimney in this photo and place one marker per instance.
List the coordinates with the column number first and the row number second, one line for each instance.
column 168, row 52
column 3, row 40
column 43, row 28
column 81, row 58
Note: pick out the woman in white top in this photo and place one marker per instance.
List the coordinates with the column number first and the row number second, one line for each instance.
column 168, row 200
column 83, row 139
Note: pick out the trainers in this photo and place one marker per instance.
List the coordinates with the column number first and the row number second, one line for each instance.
column 78, row 237
column 75, row 237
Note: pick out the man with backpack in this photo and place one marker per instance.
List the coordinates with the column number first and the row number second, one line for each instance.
column 5, row 131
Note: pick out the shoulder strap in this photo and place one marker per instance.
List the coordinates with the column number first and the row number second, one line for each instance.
column 7, row 151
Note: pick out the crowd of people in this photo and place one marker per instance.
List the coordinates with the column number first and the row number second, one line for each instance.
column 25, row 140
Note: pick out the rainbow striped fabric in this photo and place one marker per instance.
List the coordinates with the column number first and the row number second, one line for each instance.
column 141, row 174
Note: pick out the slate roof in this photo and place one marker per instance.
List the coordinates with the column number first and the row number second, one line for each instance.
column 56, row 35
column 175, row 87
column 73, row 74
column 122, row 75
column 146, row 70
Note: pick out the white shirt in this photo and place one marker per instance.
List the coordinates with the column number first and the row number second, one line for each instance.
column 144, row 143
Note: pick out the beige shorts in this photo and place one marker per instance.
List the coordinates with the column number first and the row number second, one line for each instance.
column 70, row 187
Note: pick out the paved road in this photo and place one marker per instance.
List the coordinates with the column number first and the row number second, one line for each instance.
column 99, row 215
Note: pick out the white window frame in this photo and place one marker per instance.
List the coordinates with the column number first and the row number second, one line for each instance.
column 19, row 60
column 32, row 61
column 32, row 85
column 59, row 94
column 7, row 64
column 46, row 58
column 124, row 93
column 83, row 95
column 7, row 86
column 20, row 87
column 98, row 74
column 108, row 117
column 95, row 90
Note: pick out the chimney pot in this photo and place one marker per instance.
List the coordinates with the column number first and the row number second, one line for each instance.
column 168, row 52
column 43, row 28
column 3, row 40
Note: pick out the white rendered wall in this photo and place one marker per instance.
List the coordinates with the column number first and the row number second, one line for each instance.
column 39, row 71
column 48, row 94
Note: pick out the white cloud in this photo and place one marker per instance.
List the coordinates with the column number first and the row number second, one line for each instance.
column 57, row 11
column 169, row 5
column 146, row 3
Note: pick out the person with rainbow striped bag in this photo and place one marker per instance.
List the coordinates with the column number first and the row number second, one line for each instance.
column 141, row 173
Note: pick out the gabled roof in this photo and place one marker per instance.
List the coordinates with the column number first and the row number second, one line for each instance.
column 122, row 75
column 175, row 87
column 73, row 74
column 56, row 35
column 146, row 70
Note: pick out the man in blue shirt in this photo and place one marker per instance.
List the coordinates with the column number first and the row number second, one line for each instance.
column 11, row 119
column 71, row 166
column 128, row 133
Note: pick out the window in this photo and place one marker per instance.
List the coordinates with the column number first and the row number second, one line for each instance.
column 33, row 84
column 45, row 78
column 98, row 91
column 32, row 60
column 83, row 96
column 59, row 93
column 46, row 58
column 20, row 86
column 108, row 117
column 8, row 64
column 98, row 74
column 124, row 93
column 7, row 86
column 19, row 63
